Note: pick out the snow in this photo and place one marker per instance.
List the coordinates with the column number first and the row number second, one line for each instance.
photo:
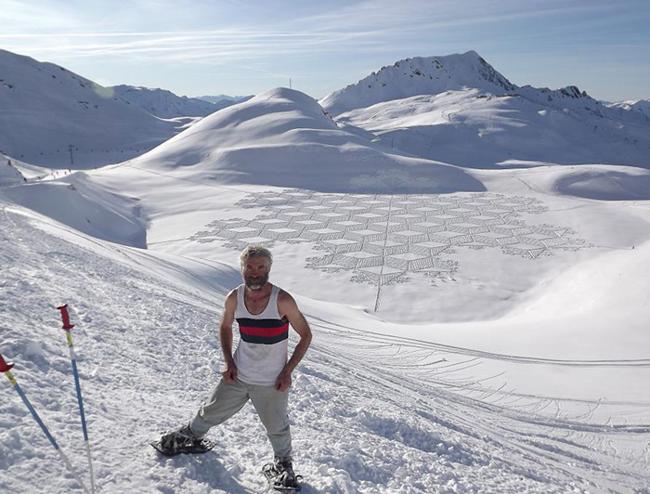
column 8, row 172
column 427, row 106
column 476, row 328
column 642, row 106
column 419, row 75
column 607, row 184
column 498, row 130
column 282, row 137
column 222, row 100
column 49, row 112
column 78, row 202
column 162, row 103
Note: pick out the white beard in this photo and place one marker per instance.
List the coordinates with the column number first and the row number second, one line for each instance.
column 256, row 284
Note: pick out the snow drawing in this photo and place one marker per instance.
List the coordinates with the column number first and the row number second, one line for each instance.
column 382, row 238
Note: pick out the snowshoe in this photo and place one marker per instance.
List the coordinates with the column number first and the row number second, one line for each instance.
column 281, row 476
column 182, row 441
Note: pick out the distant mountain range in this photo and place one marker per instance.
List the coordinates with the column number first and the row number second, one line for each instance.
column 165, row 104
column 642, row 106
column 456, row 109
column 223, row 99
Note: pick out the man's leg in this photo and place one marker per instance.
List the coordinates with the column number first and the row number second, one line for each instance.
column 226, row 400
column 271, row 406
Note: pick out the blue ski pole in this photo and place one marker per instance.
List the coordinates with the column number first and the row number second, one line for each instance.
column 5, row 368
column 65, row 318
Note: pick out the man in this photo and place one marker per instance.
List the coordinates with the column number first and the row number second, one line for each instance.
column 259, row 369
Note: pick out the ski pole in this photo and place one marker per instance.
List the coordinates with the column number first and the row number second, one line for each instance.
column 67, row 327
column 5, row 367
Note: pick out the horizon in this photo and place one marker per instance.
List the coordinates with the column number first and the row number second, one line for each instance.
column 239, row 48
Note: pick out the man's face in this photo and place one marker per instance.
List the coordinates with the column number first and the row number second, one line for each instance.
column 256, row 272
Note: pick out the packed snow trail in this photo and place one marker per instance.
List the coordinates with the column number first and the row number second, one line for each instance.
column 368, row 415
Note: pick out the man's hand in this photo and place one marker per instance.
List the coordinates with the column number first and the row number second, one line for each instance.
column 283, row 382
column 230, row 374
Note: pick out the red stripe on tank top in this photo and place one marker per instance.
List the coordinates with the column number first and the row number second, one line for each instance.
column 253, row 331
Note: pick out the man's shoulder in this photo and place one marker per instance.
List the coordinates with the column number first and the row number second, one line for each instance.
column 283, row 294
column 233, row 292
column 232, row 295
column 285, row 300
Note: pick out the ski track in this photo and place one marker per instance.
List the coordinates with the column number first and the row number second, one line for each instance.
column 371, row 414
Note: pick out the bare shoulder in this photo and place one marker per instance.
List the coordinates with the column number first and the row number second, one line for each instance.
column 284, row 296
column 286, row 300
column 231, row 298
column 229, row 308
column 286, row 303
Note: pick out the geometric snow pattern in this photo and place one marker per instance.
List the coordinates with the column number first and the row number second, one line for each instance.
column 382, row 238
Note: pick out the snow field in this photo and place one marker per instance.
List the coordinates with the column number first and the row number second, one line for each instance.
column 365, row 418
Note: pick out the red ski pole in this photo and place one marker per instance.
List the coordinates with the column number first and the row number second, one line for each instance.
column 67, row 327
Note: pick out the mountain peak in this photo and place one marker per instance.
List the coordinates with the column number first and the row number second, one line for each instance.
column 416, row 76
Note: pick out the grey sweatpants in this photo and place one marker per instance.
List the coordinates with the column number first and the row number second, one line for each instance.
column 271, row 406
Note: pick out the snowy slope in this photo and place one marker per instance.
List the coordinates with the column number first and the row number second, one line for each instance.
column 8, row 173
column 163, row 103
column 550, row 398
column 472, row 128
column 48, row 111
column 78, row 202
column 467, row 113
column 282, row 137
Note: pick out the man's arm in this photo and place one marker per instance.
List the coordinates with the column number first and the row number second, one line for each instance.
column 288, row 307
column 225, row 336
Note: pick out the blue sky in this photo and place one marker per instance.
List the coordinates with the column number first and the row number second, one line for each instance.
column 245, row 47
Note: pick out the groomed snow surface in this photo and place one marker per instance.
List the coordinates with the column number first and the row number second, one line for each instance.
column 475, row 330
column 371, row 412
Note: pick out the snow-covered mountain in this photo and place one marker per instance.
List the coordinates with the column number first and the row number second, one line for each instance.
column 459, row 109
column 283, row 137
column 163, row 103
column 419, row 75
column 51, row 116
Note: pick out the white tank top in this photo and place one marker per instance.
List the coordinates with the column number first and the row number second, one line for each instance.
column 263, row 347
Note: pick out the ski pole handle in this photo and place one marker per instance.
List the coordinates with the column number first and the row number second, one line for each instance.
column 65, row 317
column 5, row 366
